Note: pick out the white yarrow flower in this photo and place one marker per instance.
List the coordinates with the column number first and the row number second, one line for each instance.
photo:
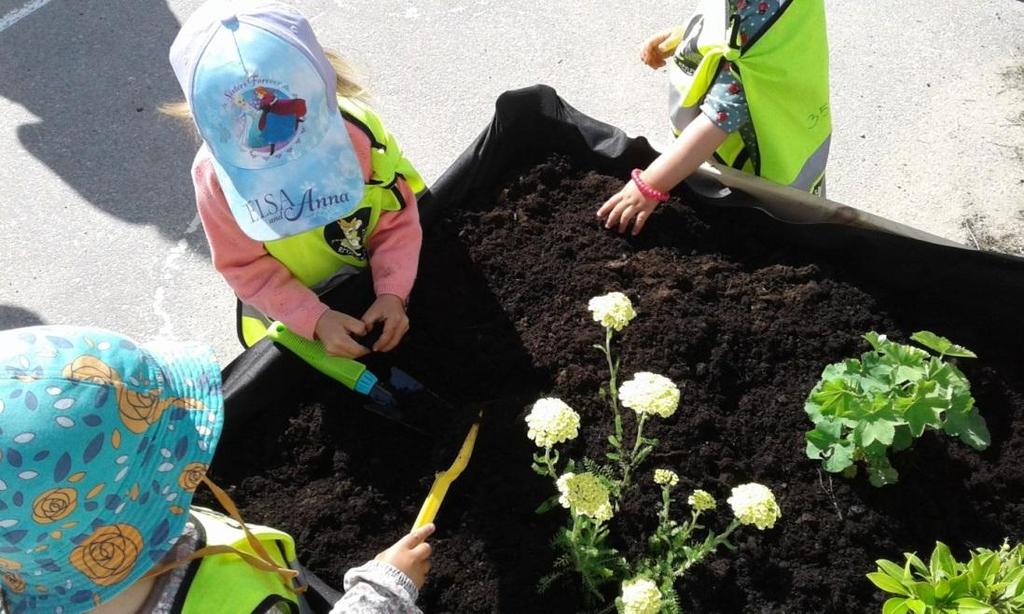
column 551, row 421
column 701, row 501
column 754, row 504
column 584, row 494
column 640, row 596
column 650, row 393
column 613, row 310
column 663, row 477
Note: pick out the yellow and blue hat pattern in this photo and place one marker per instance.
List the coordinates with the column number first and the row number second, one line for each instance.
column 102, row 444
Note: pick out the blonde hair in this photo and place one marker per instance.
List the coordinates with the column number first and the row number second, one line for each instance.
column 348, row 85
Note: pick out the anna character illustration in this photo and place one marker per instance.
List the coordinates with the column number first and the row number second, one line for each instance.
column 278, row 121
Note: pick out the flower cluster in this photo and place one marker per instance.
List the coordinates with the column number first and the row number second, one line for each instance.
column 665, row 477
column 585, row 495
column 754, row 504
column 650, row 393
column 613, row 310
column 701, row 500
column 640, row 596
column 551, row 421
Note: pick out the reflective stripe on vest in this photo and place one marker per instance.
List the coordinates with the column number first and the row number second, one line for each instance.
column 322, row 256
column 784, row 73
column 225, row 583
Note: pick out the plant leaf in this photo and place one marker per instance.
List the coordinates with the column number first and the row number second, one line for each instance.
column 836, row 397
column 922, row 413
column 916, row 563
column 925, row 593
column 880, row 430
column 893, row 569
column 905, row 373
column 840, row 459
column 970, row 605
column 882, row 475
column 896, row 605
column 970, row 427
column 903, row 438
column 547, row 505
column 916, row 606
column 940, row 344
column 888, row 584
column 820, row 439
column 941, row 564
column 874, row 339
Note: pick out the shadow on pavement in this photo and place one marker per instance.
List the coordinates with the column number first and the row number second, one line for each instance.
column 93, row 72
column 17, row 317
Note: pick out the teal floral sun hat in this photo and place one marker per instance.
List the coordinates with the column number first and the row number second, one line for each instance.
column 102, row 444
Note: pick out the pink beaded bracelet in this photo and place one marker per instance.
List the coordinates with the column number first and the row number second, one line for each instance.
column 646, row 189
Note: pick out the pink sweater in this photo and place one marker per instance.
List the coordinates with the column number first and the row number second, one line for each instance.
column 260, row 280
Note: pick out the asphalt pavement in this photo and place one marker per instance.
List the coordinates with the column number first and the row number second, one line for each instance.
column 98, row 221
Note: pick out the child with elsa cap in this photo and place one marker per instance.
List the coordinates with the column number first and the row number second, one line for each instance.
column 104, row 442
column 298, row 184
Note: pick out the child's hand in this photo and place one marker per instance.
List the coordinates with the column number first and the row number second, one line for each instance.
column 628, row 205
column 653, row 53
column 411, row 555
column 335, row 330
column 390, row 310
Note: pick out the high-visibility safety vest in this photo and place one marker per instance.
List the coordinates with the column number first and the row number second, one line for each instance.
column 784, row 73
column 225, row 583
column 321, row 257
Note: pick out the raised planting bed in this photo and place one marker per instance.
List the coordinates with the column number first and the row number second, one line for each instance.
column 740, row 311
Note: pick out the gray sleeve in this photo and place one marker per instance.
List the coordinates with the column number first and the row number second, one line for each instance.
column 377, row 588
column 726, row 102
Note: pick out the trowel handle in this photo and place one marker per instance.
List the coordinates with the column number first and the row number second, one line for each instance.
column 672, row 41
column 351, row 373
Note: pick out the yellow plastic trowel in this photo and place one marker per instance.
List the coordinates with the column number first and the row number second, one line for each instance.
column 444, row 479
column 672, row 41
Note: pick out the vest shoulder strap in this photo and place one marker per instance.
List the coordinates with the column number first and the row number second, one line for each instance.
column 212, row 581
column 363, row 117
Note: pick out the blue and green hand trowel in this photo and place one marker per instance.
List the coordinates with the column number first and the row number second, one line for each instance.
column 351, row 373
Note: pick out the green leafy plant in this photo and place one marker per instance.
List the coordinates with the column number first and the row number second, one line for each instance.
column 884, row 400
column 592, row 490
column 991, row 582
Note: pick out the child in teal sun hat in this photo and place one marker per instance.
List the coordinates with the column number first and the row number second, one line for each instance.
column 103, row 442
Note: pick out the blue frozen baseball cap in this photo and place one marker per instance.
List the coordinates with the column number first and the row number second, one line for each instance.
column 102, row 444
column 262, row 94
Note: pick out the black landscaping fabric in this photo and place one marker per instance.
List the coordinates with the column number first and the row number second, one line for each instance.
column 949, row 286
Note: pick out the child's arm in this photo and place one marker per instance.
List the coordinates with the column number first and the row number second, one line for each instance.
column 694, row 145
column 391, row 582
column 395, row 248
column 394, row 259
column 257, row 278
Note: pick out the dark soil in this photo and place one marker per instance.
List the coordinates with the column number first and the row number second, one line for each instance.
column 742, row 322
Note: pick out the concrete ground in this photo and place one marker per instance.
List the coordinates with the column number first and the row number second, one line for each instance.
column 98, row 221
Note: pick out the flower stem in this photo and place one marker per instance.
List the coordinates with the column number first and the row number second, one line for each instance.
column 665, row 501
column 549, row 463
column 613, row 389
column 707, row 547
column 629, row 465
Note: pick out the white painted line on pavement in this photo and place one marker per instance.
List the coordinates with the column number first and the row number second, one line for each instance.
column 17, row 15
column 168, row 268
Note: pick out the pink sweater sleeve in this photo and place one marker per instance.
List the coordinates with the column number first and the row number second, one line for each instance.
column 257, row 278
column 395, row 248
